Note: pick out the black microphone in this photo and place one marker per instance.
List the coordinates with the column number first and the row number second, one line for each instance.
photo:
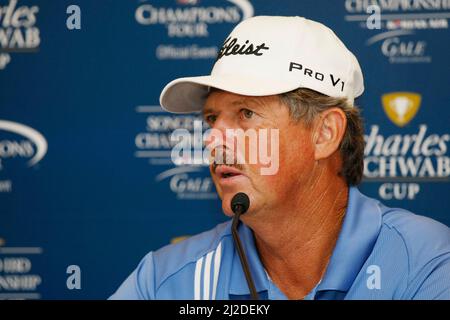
column 240, row 204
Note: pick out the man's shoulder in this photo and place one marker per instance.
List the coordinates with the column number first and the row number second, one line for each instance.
column 422, row 238
column 177, row 262
column 174, row 257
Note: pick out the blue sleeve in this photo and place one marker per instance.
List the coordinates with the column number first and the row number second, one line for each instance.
column 436, row 285
column 140, row 284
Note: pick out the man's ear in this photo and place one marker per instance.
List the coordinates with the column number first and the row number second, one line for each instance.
column 329, row 131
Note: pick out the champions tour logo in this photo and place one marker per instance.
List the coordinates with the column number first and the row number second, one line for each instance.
column 18, row 141
column 18, row 33
column 403, row 161
column 190, row 19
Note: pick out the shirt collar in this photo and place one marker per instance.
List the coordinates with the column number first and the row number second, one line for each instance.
column 360, row 229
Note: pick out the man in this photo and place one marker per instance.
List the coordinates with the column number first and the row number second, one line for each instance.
column 308, row 233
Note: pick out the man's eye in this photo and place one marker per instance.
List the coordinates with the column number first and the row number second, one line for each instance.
column 210, row 118
column 247, row 113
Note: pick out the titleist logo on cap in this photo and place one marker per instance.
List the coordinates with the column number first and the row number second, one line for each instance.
column 231, row 47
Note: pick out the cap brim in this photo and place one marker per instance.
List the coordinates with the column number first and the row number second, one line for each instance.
column 186, row 95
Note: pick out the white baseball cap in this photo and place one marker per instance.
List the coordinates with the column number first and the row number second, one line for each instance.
column 267, row 55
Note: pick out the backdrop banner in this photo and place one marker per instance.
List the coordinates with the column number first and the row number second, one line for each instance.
column 87, row 184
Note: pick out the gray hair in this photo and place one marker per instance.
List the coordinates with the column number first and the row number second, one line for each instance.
column 305, row 105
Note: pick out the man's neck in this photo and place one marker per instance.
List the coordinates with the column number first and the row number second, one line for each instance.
column 296, row 242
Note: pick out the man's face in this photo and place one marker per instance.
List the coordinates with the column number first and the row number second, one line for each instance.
column 224, row 110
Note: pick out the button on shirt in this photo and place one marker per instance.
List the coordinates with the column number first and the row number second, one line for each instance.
column 381, row 253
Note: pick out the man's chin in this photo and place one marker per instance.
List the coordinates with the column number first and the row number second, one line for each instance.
column 226, row 194
column 226, row 204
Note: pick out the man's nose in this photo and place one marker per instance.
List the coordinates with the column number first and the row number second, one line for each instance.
column 220, row 128
column 223, row 123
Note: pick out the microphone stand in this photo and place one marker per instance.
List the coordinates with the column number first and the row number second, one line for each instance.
column 240, row 250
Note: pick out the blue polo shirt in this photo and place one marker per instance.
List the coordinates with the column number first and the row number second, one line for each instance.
column 381, row 253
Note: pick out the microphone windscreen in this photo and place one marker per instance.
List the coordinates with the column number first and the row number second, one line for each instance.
column 240, row 202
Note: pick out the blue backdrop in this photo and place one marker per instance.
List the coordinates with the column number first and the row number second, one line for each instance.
column 85, row 171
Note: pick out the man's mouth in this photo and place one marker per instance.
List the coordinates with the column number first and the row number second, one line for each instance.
column 225, row 172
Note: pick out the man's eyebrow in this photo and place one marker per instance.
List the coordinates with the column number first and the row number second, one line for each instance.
column 248, row 101
column 239, row 102
column 206, row 110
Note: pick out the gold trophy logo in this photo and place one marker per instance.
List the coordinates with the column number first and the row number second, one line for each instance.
column 401, row 107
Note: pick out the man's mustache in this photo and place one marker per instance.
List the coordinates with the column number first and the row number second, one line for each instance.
column 219, row 157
